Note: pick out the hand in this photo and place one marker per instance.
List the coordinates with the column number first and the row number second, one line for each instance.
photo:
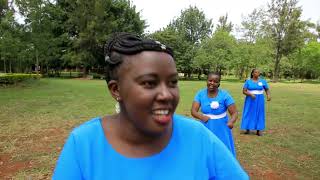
column 230, row 125
column 253, row 96
column 268, row 98
column 205, row 119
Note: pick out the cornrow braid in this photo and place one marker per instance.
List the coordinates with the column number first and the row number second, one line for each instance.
column 122, row 44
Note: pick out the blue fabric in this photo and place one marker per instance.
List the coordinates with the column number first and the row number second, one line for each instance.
column 192, row 153
column 253, row 116
column 217, row 126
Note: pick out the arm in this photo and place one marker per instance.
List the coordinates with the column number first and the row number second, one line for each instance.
column 232, row 109
column 268, row 94
column 195, row 112
column 245, row 92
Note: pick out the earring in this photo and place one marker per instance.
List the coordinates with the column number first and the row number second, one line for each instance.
column 117, row 106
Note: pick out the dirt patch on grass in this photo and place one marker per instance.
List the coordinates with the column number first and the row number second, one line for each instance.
column 8, row 167
column 31, row 151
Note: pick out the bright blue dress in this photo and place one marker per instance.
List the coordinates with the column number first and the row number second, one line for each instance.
column 217, row 126
column 192, row 153
column 253, row 116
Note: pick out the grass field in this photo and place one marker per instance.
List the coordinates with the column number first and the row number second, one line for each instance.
column 36, row 118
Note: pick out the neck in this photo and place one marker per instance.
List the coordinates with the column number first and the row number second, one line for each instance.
column 132, row 135
column 255, row 78
column 213, row 92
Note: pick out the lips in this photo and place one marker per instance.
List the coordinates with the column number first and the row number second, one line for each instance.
column 162, row 116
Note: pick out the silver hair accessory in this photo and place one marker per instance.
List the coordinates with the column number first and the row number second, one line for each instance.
column 162, row 46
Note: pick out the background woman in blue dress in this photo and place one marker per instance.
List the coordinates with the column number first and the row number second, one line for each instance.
column 214, row 103
column 145, row 139
column 253, row 116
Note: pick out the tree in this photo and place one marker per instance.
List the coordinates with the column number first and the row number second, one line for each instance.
column 178, row 43
column 216, row 53
column 90, row 23
column 223, row 24
column 193, row 27
column 285, row 29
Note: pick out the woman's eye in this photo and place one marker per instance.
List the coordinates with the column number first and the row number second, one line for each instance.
column 149, row 84
column 174, row 83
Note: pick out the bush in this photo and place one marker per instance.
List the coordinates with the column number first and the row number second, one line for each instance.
column 15, row 78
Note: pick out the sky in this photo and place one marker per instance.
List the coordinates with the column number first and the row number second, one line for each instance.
column 159, row 13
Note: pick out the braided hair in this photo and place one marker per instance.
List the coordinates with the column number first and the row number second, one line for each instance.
column 126, row 44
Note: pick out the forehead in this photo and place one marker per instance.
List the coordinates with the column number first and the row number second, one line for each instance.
column 148, row 62
column 213, row 76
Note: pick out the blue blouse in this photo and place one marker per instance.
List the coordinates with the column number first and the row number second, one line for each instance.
column 192, row 153
column 223, row 98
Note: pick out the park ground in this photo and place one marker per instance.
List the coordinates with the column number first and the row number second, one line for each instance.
column 36, row 118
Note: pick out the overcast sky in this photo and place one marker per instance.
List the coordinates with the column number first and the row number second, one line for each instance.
column 158, row 13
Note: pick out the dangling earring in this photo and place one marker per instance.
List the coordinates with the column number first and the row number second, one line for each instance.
column 117, row 106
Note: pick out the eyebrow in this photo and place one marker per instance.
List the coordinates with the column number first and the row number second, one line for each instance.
column 154, row 75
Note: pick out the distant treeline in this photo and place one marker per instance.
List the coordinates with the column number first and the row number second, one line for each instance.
column 67, row 34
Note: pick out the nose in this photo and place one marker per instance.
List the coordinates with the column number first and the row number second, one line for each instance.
column 164, row 93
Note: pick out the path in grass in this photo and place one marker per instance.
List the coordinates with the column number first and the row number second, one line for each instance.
column 35, row 119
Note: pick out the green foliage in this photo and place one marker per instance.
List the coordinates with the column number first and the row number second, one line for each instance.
column 190, row 28
column 306, row 62
column 193, row 25
column 216, row 53
column 16, row 78
column 285, row 29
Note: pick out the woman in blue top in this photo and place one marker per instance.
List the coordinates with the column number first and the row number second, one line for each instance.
column 144, row 140
column 253, row 116
column 215, row 103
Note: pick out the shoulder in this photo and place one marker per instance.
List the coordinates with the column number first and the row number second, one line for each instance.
column 88, row 128
column 224, row 93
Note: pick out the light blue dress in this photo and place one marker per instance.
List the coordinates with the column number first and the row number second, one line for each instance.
column 253, row 116
column 217, row 125
column 192, row 153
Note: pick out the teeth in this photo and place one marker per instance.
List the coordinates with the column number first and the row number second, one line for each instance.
column 161, row 112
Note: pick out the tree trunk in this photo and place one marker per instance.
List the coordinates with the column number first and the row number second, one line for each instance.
column 37, row 62
column 10, row 67
column 4, row 65
column 277, row 65
column 199, row 74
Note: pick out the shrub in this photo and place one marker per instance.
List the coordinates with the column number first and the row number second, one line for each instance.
column 15, row 78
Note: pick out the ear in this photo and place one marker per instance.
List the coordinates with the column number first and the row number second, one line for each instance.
column 113, row 87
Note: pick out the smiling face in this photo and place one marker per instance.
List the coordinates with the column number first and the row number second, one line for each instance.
column 255, row 73
column 148, row 91
column 213, row 82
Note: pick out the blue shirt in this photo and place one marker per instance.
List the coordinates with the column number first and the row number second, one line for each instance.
column 223, row 98
column 261, row 84
column 193, row 152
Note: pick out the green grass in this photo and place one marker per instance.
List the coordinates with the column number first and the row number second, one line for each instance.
column 36, row 118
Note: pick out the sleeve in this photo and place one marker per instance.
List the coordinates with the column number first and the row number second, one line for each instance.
column 222, row 164
column 246, row 84
column 265, row 84
column 229, row 100
column 67, row 166
column 197, row 98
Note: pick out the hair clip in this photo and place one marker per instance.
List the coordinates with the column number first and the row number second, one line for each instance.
column 107, row 58
column 163, row 47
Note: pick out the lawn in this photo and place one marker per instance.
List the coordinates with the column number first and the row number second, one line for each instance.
column 35, row 119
